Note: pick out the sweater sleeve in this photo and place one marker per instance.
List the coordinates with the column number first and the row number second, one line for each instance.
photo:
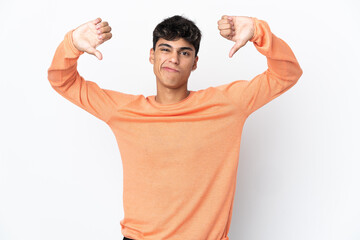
column 65, row 79
column 282, row 73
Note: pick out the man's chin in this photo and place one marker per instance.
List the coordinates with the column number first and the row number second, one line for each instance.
column 171, row 84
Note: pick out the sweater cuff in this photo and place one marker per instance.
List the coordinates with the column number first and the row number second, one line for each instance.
column 70, row 44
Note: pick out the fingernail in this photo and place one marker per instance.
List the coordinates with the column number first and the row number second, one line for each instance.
column 100, row 37
column 98, row 31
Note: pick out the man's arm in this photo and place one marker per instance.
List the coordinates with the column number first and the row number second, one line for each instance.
column 65, row 79
column 283, row 69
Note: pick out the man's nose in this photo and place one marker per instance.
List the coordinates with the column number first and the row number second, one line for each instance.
column 174, row 58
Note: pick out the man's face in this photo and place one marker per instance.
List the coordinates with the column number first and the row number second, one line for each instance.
column 173, row 62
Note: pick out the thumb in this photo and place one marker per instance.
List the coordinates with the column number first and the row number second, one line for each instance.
column 236, row 47
column 95, row 52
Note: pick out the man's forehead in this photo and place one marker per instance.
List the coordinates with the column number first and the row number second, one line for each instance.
column 177, row 43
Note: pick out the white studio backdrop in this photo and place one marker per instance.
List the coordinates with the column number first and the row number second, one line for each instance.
column 298, row 175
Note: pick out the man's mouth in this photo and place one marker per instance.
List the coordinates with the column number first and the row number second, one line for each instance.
column 170, row 69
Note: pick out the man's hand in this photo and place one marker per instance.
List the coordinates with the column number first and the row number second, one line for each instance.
column 237, row 29
column 90, row 35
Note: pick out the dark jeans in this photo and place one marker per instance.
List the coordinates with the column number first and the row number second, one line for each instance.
column 125, row 238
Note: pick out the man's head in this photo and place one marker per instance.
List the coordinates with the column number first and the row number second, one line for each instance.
column 176, row 27
column 176, row 42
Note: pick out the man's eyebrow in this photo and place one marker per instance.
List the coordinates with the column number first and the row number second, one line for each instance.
column 169, row 46
column 186, row 48
column 165, row 45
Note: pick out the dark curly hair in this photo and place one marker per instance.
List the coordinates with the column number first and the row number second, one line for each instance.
column 176, row 27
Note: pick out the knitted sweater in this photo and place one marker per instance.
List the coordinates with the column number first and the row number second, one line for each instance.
column 179, row 160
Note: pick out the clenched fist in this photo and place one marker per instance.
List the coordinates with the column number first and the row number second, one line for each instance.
column 237, row 29
column 90, row 35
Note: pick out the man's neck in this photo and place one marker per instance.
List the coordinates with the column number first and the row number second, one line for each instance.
column 171, row 97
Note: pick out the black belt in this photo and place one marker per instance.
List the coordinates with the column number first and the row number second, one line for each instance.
column 125, row 238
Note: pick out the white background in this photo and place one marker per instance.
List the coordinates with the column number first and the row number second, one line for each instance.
column 298, row 175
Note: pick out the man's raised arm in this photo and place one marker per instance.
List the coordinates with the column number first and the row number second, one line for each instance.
column 65, row 79
column 283, row 68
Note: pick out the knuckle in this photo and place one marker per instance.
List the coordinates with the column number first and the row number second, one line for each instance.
column 224, row 27
column 226, row 32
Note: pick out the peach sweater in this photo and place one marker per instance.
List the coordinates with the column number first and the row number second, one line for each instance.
column 179, row 160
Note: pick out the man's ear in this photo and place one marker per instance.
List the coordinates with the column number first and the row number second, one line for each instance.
column 195, row 63
column 151, row 58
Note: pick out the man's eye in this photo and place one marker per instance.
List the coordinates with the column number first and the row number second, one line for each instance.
column 185, row 53
column 164, row 49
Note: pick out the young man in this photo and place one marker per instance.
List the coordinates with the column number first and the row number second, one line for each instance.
column 180, row 148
